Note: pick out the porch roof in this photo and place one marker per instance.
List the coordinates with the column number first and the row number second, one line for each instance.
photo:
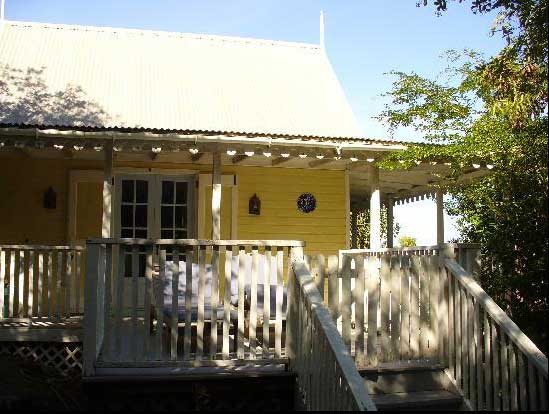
column 356, row 157
column 180, row 97
column 112, row 78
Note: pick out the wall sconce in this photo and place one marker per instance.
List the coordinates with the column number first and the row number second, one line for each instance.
column 254, row 207
column 50, row 198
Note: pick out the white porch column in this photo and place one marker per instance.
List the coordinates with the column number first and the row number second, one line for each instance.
column 440, row 216
column 375, row 209
column 216, row 196
column 390, row 222
column 108, row 199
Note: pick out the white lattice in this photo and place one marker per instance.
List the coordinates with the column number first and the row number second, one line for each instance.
column 65, row 358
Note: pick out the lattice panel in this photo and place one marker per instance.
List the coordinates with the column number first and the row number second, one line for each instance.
column 65, row 358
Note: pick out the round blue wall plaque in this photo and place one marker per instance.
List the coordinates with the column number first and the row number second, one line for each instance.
column 306, row 202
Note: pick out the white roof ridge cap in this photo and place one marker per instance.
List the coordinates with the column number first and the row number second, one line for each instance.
column 147, row 32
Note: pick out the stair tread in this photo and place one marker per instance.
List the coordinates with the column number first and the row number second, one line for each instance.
column 437, row 397
column 388, row 367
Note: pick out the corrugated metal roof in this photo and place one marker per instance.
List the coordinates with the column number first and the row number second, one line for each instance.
column 122, row 78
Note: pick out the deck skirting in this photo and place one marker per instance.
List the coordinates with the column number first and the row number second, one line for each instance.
column 65, row 358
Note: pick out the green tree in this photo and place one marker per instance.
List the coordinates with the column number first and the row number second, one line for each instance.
column 363, row 227
column 493, row 112
column 407, row 241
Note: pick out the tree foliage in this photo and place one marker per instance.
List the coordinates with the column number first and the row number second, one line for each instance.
column 491, row 111
column 363, row 227
column 407, row 241
column 26, row 99
column 515, row 81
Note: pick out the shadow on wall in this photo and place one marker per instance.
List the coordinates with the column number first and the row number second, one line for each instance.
column 26, row 99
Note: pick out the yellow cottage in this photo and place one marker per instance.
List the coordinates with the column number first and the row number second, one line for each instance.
column 158, row 191
column 90, row 111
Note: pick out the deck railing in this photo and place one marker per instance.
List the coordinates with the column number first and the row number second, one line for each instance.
column 401, row 305
column 493, row 362
column 390, row 306
column 40, row 282
column 327, row 377
column 234, row 288
column 466, row 254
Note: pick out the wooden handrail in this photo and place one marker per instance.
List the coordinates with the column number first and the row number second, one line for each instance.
column 525, row 344
column 199, row 242
column 412, row 248
column 40, row 247
column 388, row 250
column 318, row 314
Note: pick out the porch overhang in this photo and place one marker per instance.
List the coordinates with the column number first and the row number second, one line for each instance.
column 355, row 155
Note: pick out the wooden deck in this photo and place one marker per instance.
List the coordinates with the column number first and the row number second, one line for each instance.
column 146, row 352
column 151, row 362
column 41, row 330
column 423, row 310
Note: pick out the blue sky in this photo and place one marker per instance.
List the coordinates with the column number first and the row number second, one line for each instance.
column 364, row 40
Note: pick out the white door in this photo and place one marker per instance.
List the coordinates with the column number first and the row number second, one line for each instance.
column 153, row 207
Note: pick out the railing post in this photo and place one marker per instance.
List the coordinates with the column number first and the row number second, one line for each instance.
column 296, row 254
column 446, row 251
column 90, row 349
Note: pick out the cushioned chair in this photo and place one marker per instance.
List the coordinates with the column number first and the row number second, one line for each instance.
column 166, row 290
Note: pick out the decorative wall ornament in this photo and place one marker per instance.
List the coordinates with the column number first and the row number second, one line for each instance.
column 254, row 206
column 306, row 202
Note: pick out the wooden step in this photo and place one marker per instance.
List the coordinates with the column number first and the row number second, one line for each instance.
column 439, row 400
column 399, row 366
column 392, row 378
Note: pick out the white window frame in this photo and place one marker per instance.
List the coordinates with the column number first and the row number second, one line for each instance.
column 97, row 176
column 158, row 174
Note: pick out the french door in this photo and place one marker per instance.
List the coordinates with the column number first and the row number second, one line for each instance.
column 153, row 207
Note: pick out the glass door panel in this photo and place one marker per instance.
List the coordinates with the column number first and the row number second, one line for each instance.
column 136, row 220
column 174, row 210
column 152, row 206
column 134, row 209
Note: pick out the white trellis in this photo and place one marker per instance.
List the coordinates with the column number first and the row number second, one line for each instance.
column 65, row 358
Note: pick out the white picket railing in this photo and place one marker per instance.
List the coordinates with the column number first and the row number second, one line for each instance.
column 121, row 333
column 493, row 362
column 327, row 378
column 40, row 282
column 466, row 254
column 421, row 304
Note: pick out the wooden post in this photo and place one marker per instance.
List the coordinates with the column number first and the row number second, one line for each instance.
column 390, row 235
column 216, row 196
column 292, row 324
column 348, row 230
column 375, row 209
column 107, row 222
column 440, row 216
column 90, row 309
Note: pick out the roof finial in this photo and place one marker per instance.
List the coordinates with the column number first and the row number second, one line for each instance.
column 322, row 29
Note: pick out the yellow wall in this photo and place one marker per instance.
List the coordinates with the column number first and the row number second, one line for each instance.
column 278, row 189
column 23, row 181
